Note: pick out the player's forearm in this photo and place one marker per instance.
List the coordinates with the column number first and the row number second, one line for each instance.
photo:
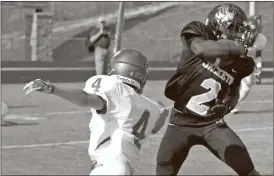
column 79, row 97
column 215, row 49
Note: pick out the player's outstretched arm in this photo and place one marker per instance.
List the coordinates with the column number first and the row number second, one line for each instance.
column 214, row 49
column 80, row 98
column 195, row 36
column 75, row 96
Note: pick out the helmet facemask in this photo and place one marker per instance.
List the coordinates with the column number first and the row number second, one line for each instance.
column 236, row 32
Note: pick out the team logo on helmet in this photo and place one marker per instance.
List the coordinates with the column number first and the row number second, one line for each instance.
column 225, row 14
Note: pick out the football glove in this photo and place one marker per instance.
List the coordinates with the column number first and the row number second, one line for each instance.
column 39, row 85
column 244, row 66
column 218, row 110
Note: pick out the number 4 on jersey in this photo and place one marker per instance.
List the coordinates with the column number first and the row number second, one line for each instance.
column 143, row 121
column 97, row 84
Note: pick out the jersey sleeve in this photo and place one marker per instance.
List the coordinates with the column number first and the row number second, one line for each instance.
column 260, row 42
column 106, row 89
column 193, row 30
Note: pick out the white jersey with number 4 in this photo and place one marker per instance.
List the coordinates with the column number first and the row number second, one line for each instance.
column 126, row 113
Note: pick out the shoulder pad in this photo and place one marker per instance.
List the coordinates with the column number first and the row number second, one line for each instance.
column 195, row 28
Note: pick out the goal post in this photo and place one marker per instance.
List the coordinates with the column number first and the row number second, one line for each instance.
column 33, row 37
column 252, row 8
column 119, row 28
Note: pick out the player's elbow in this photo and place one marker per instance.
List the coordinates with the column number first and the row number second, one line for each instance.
column 197, row 47
column 93, row 101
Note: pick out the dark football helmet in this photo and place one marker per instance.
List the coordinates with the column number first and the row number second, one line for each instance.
column 131, row 66
column 228, row 21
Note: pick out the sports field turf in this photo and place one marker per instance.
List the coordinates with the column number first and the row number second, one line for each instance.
column 49, row 136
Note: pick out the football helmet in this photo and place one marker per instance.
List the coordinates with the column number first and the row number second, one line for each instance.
column 131, row 67
column 254, row 25
column 228, row 21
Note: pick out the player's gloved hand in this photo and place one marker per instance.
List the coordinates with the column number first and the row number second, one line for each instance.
column 162, row 119
column 244, row 66
column 218, row 110
column 39, row 85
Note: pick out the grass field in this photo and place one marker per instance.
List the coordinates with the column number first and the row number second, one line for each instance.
column 48, row 136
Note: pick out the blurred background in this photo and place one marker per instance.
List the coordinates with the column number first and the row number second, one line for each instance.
column 60, row 29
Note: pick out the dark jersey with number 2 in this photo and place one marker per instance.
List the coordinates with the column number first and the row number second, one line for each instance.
column 197, row 84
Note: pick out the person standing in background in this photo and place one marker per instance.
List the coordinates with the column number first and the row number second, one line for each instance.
column 99, row 43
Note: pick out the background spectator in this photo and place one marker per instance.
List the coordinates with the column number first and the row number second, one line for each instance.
column 98, row 41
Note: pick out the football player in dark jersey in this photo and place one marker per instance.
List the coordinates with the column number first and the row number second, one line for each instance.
column 204, row 88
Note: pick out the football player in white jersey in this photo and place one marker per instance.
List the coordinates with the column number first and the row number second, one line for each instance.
column 121, row 116
column 258, row 41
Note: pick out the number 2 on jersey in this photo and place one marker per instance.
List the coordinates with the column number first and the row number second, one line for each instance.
column 195, row 104
column 97, row 84
column 142, row 123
